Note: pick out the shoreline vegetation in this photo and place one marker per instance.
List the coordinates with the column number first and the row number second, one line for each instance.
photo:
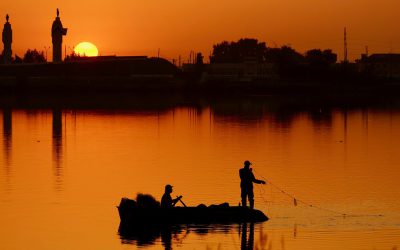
column 243, row 67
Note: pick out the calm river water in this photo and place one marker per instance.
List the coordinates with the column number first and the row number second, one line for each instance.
column 65, row 167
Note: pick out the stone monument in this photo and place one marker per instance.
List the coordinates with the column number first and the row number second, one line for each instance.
column 57, row 32
column 7, row 40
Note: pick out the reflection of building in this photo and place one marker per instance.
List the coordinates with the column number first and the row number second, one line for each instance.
column 57, row 32
column 7, row 40
column 381, row 65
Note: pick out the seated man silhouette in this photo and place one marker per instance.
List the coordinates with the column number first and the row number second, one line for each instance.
column 166, row 200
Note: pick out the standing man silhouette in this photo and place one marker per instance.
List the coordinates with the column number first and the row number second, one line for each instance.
column 246, row 184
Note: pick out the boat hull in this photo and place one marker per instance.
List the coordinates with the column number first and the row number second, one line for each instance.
column 217, row 214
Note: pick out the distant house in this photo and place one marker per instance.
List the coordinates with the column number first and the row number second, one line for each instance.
column 248, row 70
column 106, row 73
column 380, row 65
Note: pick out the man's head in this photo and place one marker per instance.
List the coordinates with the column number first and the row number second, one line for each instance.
column 247, row 163
column 168, row 188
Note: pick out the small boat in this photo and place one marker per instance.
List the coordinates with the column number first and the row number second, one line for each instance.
column 130, row 213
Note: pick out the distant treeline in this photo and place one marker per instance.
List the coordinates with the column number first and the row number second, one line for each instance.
column 287, row 59
column 35, row 56
column 30, row 56
column 249, row 48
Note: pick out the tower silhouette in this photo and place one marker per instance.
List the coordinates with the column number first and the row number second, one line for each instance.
column 57, row 32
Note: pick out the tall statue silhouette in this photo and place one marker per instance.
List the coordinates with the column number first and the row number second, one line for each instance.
column 57, row 32
column 7, row 40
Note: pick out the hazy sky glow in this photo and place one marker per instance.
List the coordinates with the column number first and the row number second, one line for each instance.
column 131, row 27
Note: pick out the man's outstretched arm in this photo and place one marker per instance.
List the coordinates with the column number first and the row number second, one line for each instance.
column 174, row 201
column 257, row 181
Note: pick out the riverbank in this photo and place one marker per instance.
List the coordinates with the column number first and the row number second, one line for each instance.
column 251, row 104
column 157, row 75
column 179, row 84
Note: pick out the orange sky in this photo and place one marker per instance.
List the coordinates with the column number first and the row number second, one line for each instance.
column 131, row 27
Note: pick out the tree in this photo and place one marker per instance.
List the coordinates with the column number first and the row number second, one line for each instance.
column 33, row 56
column 17, row 59
column 73, row 57
column 234, row 52
column 318, row 58
column 284, row 55
column 221, row 53
column 288, row 61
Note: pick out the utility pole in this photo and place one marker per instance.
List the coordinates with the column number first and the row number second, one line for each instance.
column 345, row 45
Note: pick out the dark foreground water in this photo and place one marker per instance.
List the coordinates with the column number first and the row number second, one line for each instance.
column 64, row 166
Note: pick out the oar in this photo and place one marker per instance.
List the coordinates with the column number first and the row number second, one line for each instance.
column 180, row 199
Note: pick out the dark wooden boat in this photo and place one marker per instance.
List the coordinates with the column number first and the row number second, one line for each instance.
column 130, row 213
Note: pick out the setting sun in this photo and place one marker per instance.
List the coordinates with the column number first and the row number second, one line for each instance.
column 86, row 49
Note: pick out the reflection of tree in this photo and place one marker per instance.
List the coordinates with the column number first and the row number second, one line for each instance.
column 281, row 111
column 321, row 117
column 232, row 110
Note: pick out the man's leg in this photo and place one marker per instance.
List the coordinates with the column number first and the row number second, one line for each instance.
column 251, row 198
column 244, row 196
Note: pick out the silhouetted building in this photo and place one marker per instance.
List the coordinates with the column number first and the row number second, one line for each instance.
column 7, row 40
column 245, row 71
column 380, row 65
column 57, row 32
column 92, row 73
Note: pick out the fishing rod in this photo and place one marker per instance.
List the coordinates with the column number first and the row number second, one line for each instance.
column 296, row 201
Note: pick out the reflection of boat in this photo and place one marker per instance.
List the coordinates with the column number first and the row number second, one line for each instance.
column 130, row 213
column 144, row 235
